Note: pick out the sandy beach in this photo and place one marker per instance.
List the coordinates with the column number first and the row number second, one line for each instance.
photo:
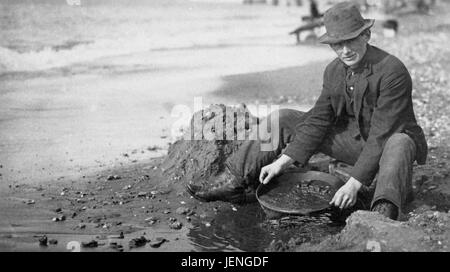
column 82, row 154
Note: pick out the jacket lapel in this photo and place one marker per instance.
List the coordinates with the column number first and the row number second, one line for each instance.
column 339, row 88
column 361, row 88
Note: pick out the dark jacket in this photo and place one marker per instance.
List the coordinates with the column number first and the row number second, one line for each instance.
column 383, row 106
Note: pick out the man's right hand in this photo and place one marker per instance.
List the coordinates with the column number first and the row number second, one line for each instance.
column 271, row 170
column 268, row 172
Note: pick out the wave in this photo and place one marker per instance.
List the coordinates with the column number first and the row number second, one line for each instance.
column 74, row 52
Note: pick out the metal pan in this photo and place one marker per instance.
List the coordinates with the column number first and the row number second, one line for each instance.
column 298, row 193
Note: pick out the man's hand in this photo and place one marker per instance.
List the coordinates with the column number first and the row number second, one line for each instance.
column 345, row 197
column 268, row 172
column 271, row 170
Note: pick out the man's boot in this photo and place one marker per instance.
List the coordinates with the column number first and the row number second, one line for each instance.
column 224, row 187
column 386, row 208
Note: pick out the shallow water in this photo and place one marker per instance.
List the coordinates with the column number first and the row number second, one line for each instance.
column 248, row 229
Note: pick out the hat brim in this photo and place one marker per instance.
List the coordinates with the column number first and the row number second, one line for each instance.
column 325, row 38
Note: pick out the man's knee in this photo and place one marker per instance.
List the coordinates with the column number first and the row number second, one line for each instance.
column 399, row 142
column 399, row 147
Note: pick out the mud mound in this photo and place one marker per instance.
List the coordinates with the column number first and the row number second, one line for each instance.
column 212, row 138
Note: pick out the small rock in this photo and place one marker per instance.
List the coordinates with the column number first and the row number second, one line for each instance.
column 142, row 194
column 166, row 211
column 57, row 210
column 59, row 218
column 138, row 242
column 113, row 177
column 182, row 210
column 43, row 241
column 53, row 241
column 158, row 242
column 90, row 244
column 176, row 225
column 29, row 201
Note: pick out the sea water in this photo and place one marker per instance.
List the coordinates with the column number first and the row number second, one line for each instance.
column 82, row 82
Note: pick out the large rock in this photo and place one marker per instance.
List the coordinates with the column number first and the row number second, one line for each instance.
column 370, row 231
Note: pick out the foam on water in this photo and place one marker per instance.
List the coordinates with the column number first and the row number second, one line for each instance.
column 53, row 34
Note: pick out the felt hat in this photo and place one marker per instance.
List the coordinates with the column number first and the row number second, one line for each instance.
column 343, row 22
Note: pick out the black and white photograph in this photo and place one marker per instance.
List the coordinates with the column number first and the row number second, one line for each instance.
column 204, row 126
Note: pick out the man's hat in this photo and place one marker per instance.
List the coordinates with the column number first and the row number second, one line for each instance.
column 343, row 22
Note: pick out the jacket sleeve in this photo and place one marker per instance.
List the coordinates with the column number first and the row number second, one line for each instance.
column 392, row 105
column 310, row 133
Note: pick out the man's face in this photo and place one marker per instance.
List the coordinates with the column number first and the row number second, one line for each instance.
column 351, row 51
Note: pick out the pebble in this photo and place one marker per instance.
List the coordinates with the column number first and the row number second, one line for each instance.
column 138, row 242
column 43, row 241
column 113, row 177
column 142, row 194
column 30, row 202
column 182, row 210
column 166, row 211
column 176, row 225
column 158, row 242
column 90, row 244
column 59, row 218
column 53, row 241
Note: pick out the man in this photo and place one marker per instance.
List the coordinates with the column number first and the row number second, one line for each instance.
column 363, row 117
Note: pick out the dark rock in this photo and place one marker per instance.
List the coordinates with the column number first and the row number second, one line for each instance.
column 176, row 225
column 113, row 177
column 142, row 194
column 43, row 240
column 90, row 244
column 138, row 242
column 158, row 242
column 53, row 241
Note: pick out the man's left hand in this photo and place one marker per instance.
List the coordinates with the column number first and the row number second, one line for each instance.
column 345, row 197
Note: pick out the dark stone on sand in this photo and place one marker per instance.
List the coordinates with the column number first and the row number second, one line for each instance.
column 176, row 225
column 142, row 194
column 53, row 241
column 90, row 244
column 138, row 242
column 59, row 218
column 43, row 240
column 113, row 177
column 158, row 242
